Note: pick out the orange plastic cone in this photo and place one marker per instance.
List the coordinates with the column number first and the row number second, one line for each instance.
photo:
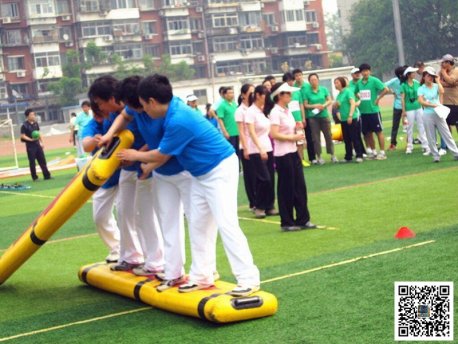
column 405, row 233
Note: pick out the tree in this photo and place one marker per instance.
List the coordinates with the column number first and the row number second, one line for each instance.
column 429, row 29
column 333, row 32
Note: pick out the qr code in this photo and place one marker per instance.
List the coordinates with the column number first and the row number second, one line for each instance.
column 423, row 311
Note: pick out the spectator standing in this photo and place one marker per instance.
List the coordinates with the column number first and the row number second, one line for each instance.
column 449, row 81
column 30, row 135
column 394, row 85
column 226, row 118
column 82, row 119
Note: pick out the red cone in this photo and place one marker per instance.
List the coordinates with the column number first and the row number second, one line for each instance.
column 405, row 233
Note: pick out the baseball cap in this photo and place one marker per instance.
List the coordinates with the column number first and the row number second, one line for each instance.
column 447, row 58
column 409, row 70
column 191, row 98
column 430, row 70
column 284, row 88
column 354, row 70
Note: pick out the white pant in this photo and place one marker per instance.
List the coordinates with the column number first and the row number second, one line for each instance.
column 170, row 196
column 412, row 117
column 214, row 205
column 103, row 202
column 433, row 121
column 130, row 248
column 79, row 146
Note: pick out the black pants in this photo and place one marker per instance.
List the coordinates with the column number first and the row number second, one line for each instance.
column 291, row 190
column 360, row 137
column 352, row 138
column 249, row 179
column 265, row 181
column 35, row 152
column 308, row 136
column 394, row 129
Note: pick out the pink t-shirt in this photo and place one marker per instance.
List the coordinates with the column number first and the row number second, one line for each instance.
column 286, row 126
column 261, row 123
column 240, row 117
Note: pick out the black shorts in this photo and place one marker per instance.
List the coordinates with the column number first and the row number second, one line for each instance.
column 371, row 123
column 452, row 118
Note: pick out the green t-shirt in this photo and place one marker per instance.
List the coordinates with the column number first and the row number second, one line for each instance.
column 368, row 92
column 318, row 97
column 303, row 88
column 344, row 104
column 352, row 85
column 411, row 95
column 226, row 111
column 294, row 105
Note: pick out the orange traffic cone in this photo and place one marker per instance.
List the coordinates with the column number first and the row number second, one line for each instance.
column 405, row 233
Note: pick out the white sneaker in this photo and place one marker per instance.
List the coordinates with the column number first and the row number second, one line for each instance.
column 314, row 162
column 381, row 156
column 359, row 160
column 409, row 151
column 442, row 151
column 427, row 152
column 112, row 258
column 334, row 159
column 321, row 161
column 243, row 291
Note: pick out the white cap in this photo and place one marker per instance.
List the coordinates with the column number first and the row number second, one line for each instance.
column 430, row 70
column 355, row 70
column 447, row 58
column 191, row 98
column 284, row 88
column 410, row 70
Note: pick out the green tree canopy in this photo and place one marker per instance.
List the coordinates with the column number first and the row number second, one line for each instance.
column 429, row 29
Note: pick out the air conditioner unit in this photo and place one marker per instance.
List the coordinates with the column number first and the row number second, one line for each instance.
column 201, row 58
column 232, row 31
column 107, row 38
column 6, row 20
column 66, row 18
column 315, row 25
column 148, row 36
column 275, row 28
column 318, row 46
column 103, row 13
column 199, row 9
column 20, row 74
column 69, row 44
column 200, row 35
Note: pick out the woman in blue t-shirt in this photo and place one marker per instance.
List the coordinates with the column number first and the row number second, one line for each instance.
column 429, row 96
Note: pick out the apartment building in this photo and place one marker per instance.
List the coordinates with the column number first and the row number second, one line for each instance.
column 217, row 38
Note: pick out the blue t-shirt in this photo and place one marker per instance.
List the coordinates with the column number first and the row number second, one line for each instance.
column 81, row 120
column 395, row 86
column 431, row 95
column 196, row 143
column 152, row 132
column 139, row 142
column 90, row 130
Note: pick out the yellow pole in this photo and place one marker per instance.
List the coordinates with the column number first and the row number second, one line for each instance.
column 71, row 198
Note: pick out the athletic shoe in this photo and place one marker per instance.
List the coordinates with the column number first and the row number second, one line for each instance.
column 334, row 159
column 124, row 266
column 359, row 160
column 442, row 151
column 416, row 142
column 243, row 290
column 392, row 147
column 305, row 163
column 259, row 214
column 309, row 225
column 427, row 152
column 409, row 151
column 364, row 155
column 216, row 275
column 321, row 161
column 112, row 258
column 381, row 156
column 272, row 212
column 142, row 271
column 252, row 209
column 167, row 284
column 437, row 159
column 191, row 286
column 314, row 162
column 290, row 228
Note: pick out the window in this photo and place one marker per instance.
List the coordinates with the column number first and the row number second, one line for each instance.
column 42, row 85
column 225, row 44
column 254, row 67
column 198, row 47
column 293, row 15
column 269, row 19
column 127, row 28
column 16, row 63
column 202, row 95
column 129, row 51
column 98, row 28
column 13, row 37
column 250, row 18
column 3, row 91
column 225, row 20
column 196, row 24
column 180, row 48
column 20, row 89
column 210, row 2
column 310, row 16
column 228, row 68
column 47, row 59
column 313, row 38
column 177, row 24
column 89, row 6
column 251, row 43
column 122, row 4
column 153, row 50
column 65, row 33
column 62, row 7
column 43, row 36
column 10, row 10
column 38, row 7
column 168, row 3
column 146, row 4
column 149, row 27
column 296, row 40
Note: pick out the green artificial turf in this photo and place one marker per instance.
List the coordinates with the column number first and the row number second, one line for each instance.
column 361, row 206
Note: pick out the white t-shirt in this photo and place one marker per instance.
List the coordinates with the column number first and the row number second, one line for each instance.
column 240, row 118
column 286, row 126
column 254, row 115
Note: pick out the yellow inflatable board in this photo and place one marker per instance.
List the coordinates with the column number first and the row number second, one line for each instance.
column 211, row 304
column 71, row 198
column 336, row 132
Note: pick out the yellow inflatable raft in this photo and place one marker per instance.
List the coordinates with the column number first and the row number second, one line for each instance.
column 211, row 304
column 71, row 198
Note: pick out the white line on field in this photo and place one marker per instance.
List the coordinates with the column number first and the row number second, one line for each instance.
column 28, row 194
column 31, row 333
column 348, row 261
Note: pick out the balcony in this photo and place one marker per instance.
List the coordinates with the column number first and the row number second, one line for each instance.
column 250, row 28
column 52, row 38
